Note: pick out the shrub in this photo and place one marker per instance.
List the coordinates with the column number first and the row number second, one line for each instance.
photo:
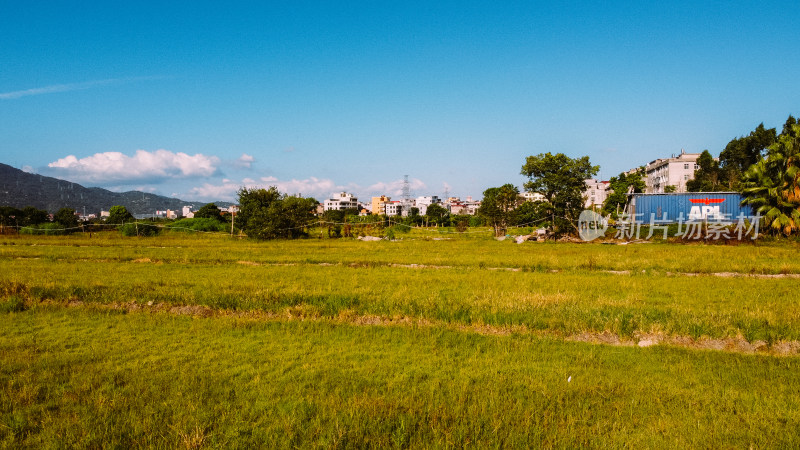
column 48, row 229
column 13, row 304
column 139, row 229
column 198, row 224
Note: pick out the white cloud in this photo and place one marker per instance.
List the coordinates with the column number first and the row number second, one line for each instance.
column 395, row 188
column 245, row 161
column 309, row 187
column 55, row 88
column 224, row 192
column 117, row 167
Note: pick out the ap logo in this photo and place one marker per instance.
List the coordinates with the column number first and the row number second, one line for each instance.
column 591, row 225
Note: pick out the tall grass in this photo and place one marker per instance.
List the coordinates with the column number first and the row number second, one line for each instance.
column 83, row 378
column 559, row 289
column 768, row 258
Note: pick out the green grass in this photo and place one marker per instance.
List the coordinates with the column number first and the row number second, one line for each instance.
column 552, row 291
column 84, row 378
column 417, row 248
column 104, row 375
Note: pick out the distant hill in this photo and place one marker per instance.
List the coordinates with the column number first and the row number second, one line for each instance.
column 20, row 189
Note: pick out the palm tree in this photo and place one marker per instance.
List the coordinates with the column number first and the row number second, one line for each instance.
column 772, row 185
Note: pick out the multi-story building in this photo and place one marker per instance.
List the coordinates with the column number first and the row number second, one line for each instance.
column 456, row 206
column 378, row 204
column 422, row 203
column 393, row 208
column 532, row 196
column 596, row 193
column 341, row 201
column 471, row 206
column 675, row 171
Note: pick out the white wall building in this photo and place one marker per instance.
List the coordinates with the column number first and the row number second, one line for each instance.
column 341, row 201
column 596, row 193
column 532, row 196
column 424, row 202
column 393, row 208
column 187, row 212
column 675, row 171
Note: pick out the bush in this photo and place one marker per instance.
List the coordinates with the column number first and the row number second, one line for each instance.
column 48, row 229
column 13, row 304
column 139, row 229
column 198, row 224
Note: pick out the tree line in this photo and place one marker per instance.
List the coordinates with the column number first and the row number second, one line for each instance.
column 764, row 166
column 30, row 220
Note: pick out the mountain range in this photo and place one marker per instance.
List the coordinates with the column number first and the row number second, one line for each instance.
column 20, row 189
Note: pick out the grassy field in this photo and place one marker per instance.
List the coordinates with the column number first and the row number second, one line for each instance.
column 202, row 340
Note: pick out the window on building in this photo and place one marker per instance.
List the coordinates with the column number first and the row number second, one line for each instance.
column 686, row 177
column 686, row 166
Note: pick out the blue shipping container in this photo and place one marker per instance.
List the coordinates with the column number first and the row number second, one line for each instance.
column 693, row 206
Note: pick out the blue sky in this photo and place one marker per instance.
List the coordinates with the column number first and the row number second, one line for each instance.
column 195, row 99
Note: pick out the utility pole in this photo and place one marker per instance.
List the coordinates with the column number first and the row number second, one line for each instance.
column 406, row 196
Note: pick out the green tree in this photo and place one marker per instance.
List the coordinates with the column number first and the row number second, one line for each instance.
column 268, row 214
column 497, row 205
column 413, row 218
column 437, row 214
column 33, row 216
column 620, row 185
column 788, row 127
column 119, row 214
column 9, row 216
column 561, row 180
column 66, row 218
column 741, row 153
column 772, row 185
column 209, row 211
column 709, row 176
column 529, row 213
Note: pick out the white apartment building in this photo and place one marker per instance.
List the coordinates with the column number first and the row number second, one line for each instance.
column 393, row 208
column 532, row 196
column 675, row 171
column 596, row 193
column 187, row 212
column 341, row 201
column 422, row 203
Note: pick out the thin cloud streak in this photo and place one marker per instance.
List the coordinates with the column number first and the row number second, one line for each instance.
column 56, row 88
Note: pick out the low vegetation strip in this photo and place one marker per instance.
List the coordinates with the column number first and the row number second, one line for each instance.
column 88, row 378
column 768, row 258
column 730, row 344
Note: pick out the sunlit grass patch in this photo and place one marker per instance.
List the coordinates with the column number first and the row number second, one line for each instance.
column 84, row 378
